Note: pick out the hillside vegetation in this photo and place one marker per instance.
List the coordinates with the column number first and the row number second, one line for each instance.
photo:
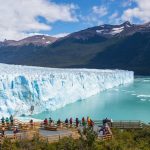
column 132, row 139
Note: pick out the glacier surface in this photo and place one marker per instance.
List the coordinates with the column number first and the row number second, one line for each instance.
column 50, row 88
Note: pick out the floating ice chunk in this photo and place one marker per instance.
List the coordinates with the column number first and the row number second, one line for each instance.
column 143, row 96
column 143, row 99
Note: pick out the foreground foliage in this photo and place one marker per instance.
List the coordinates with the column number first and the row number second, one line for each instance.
column 131, row 139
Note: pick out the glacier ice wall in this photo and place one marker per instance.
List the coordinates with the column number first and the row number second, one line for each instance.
column 48, row 88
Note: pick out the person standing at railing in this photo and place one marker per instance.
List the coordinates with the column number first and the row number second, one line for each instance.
column 59, row 123
column 66, row 122
column 83, row 122
column 71, row 120
column 3, row 121
column 89, row 121
column 77, row 122
column 11, row 120
column 31, row 123
column 7, row 121
column 45, row 122
column 50, row 120
column 3, row 131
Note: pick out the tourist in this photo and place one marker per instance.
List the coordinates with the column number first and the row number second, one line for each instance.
column 11, row 120
column 91, row 123
column 3, row 131
column 58, row 122
column 15, row 131
column 66, row 121
column 106, row 120
column 101, row 131
column 87, row 118
column 106, row 130
column 71, row 120
column 50, row 120
column 7, row 121
column 77, row 122
column 3, row 121
column 31, row 123
column 88, row 121
column 52, row 123
column 45, row 122
column 83, row 122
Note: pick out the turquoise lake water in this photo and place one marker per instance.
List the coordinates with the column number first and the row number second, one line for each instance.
column 128, row 102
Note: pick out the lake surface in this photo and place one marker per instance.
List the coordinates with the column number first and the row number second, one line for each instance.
column 128, row 102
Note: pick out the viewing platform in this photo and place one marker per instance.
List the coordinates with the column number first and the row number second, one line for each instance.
column 55, row 132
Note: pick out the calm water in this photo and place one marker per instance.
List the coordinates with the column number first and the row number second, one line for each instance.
column 129, row 102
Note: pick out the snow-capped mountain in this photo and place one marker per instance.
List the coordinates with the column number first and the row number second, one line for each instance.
column 124, row 46
column 110, row 31
column 38, row 40
column 49, row 88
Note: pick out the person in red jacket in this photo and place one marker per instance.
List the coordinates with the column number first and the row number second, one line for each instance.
column 45, row 121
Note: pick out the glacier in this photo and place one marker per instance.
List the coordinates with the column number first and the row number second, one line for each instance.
column 51, row 88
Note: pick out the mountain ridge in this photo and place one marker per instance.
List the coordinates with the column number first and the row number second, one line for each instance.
column 124, row 46
column 38, row 40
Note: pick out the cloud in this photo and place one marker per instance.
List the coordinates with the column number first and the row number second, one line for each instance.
column 127, row 3
column 141, row 11
column 20, row 17
column 114, row 18
column 114, row 15
column 100, row 10
column 95, row 17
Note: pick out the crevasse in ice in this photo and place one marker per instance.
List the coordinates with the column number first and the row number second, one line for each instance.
column 50, row 88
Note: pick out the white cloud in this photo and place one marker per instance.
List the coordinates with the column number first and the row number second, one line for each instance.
column 141, row 11
column 95, row 17
column 19, row 17
column 113, row 16
column 127, row 3
column 100, row 10
column 60, row 35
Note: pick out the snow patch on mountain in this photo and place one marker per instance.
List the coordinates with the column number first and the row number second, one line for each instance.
column 116, row 30
column 112, row 31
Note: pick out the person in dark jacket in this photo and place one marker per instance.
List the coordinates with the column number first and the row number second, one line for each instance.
column 71, row 121
column 3, row 121
column 11, row 120
column 66, row 121
column 77, row 122
column 83, row 121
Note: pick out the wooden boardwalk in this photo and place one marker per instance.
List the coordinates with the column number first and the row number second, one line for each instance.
column 28, row 132
column 122, row 124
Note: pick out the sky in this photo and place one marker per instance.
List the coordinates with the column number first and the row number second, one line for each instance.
column 23, row 18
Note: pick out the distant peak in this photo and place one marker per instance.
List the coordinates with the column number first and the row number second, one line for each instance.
column 127, row 24
column 147, row 24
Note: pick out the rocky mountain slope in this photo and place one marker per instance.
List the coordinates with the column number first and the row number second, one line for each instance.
column 38, row 40
column 125, row 46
